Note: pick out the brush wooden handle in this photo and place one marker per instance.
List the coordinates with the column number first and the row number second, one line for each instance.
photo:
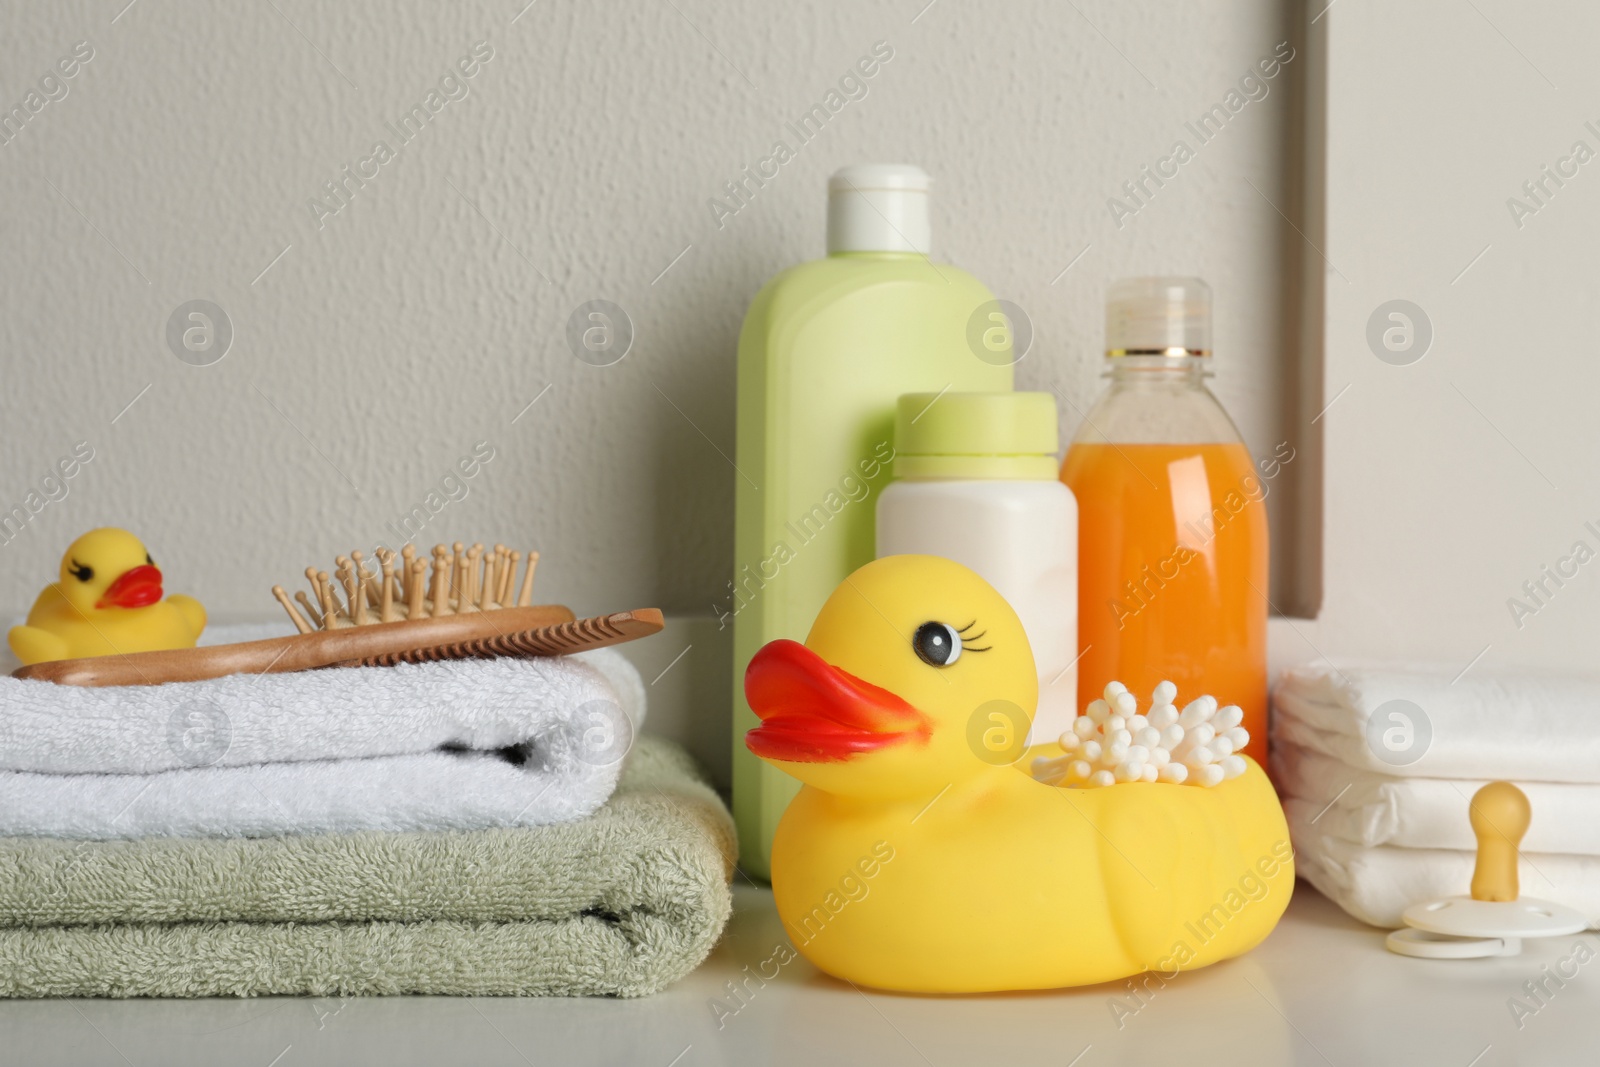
column 299, row 652
column 579, row 635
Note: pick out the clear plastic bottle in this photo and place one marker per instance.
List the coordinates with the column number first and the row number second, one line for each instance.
column 1172, row 541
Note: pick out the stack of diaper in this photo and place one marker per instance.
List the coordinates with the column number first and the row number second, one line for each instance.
column 1378, row 765
column 474, row 827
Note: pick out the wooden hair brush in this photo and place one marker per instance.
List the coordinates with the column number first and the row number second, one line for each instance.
column 464, row 604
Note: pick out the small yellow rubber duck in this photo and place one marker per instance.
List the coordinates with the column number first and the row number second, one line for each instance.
column 913, row 860
column 108, row 601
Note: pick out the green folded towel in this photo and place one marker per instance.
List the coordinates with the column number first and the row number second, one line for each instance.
column 622, row 903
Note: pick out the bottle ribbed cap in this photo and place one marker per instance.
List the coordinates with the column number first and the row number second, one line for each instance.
column 976, row 435
column 1158, row 317
column 879, row 207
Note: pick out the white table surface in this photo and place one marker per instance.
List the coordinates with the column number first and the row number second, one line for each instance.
column 1320, row 990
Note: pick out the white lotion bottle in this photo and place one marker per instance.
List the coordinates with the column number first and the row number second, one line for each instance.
column 976, row 482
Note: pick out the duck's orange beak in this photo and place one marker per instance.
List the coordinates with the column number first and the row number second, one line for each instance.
column 812, row 712
column 136, row 588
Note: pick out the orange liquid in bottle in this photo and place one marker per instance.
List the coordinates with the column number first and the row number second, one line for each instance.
column 1172, row 574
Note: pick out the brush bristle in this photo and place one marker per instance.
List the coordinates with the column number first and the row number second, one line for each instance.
column 407, row 585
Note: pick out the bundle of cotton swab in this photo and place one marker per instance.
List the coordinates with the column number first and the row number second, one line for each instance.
column 1112, row 743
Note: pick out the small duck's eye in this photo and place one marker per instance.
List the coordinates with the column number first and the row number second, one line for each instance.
column 148, row 560
column 80, row 572
column 937, row 644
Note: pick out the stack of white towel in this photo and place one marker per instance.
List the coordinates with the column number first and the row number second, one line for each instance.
column 453, row 745
column 1377, row 794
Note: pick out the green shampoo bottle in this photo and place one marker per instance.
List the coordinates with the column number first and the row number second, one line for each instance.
column 826, row 349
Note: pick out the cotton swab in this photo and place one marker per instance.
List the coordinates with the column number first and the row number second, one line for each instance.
column 1112, row 743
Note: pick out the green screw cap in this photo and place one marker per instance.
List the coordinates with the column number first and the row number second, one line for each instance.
column 1010, row 436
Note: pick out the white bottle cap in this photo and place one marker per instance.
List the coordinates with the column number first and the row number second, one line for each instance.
column 1158, row 317
column 879, row 207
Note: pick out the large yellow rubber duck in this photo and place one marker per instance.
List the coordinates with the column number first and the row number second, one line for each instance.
column 107, row 601
column 910, row 861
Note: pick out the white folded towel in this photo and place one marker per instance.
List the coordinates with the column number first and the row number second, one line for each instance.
column 1522, row 726
column 1377, row 884
column 1367, row 808
column 450, row 745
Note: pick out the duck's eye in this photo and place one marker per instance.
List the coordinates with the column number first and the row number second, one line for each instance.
column 148, row 560
column 937, row 644
column 80, row 572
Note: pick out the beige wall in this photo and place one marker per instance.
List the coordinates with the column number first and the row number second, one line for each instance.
column 370, row 356
column 1453, row 480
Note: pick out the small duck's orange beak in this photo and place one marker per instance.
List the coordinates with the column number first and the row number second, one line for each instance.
column 812, row 712
column 136, row 588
